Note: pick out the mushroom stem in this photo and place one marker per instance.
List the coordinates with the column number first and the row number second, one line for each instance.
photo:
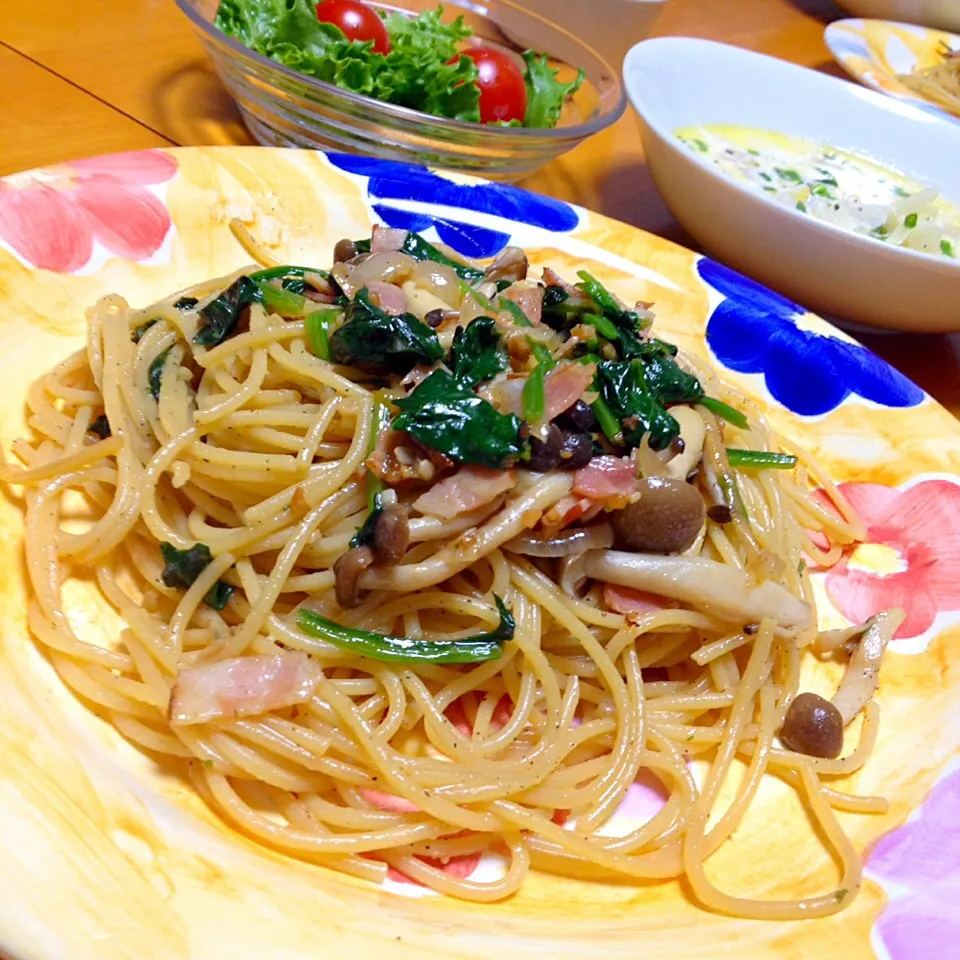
column 719, row 589
column 862, row 676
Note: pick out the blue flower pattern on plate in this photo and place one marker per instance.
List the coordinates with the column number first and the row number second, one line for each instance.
column 754, row 330
column 390, row 181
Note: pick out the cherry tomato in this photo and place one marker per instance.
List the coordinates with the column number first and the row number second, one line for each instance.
column 357, row 21
column 503, row 93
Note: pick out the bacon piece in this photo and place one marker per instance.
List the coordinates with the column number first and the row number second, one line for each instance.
column 387, row 239
column 469, row 488
column 387, row 297
column 564, row 386
column 609, row 480
column 570, row 509
column 633, row 602
column 528, row 297
column 457, row 867
column 388, row 802
column 242, row 687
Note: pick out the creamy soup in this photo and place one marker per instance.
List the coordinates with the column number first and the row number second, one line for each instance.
column 839, row 187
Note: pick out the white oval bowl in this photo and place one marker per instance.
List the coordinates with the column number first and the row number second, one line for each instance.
column 675, row 82
column 942, row 14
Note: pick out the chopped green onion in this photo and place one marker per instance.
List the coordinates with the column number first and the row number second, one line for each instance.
column 725, row 411
column 789, row 175
column 542, row 353
column 283, row 301
column 753, row 153
column 317, row 325
column 765, row 176
column 377, row 646
column 282, row 272
column 822, row 190
column 900, row 192
column 946, row 248
column 910, row 220
column 701, row 145
column 519, row 317
column 801, row 206
column 760, row 459
column 608, row 422
column 534, row 396
column 879, row 232
column 602, row 325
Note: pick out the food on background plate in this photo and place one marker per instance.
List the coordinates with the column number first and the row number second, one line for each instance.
column 939, row 84
column 420, row 62
column 423, row 561
column 836, row 186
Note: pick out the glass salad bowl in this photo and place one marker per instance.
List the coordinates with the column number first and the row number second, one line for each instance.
column 288, row 109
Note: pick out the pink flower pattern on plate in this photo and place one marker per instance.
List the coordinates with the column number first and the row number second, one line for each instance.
column 52, row 217
column 922, row 859
column 920, row 529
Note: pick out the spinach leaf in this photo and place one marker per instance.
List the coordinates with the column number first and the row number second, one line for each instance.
column 218, row 596
column 629, row 323
column 155, row 373
column 218, row 319
column 364, row 535
column 377, row 646
column 101, row 427
column 186, row 303
column 420, row 249
column 666, row 379
column 136, row 335
column 448, row 416
column 182, row 567
column 477, row 354
column 372, row 339
column 626, row 394
column 545, row 95
column 559, row 312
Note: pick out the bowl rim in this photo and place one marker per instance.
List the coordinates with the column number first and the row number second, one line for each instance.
column 576, row 132
column 872, row 97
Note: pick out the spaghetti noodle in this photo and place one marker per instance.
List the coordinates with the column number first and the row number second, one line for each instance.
column 421, row 559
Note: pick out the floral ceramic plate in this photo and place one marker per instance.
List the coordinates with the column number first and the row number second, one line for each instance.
column 106, row 855
column 877, row 52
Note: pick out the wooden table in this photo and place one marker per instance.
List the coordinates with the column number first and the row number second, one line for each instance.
column 102, row 76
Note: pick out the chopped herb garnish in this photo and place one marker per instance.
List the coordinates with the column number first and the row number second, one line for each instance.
column 374, row 340
column 448, row 416
column 900, row 192
column 791, row 176
column 765, row 176
column 946, row 248
column 377, row 646
column 910, row 220
column 801, row 206
column 701, row 145
column 879, row 232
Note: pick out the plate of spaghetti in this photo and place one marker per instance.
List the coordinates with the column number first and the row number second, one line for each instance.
column 400, row 563
column 909, row 62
